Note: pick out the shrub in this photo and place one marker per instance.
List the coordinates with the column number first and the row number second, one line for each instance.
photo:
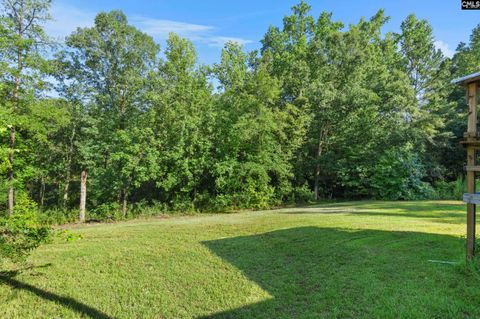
column 145, row 209
column 58, row 216
column 398, row 174
column 21, row 232
column 105, row 212
column 182, row 204
column 302, row 194
column 450, row 190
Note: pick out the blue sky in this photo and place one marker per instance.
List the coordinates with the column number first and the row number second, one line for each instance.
column 209, row 23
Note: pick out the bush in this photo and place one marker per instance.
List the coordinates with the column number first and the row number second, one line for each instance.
column 106, row 212
column 303, row 194
column 182, row 204
column 397, row 175
column 450, row 190
column 58, row 216
column 22, row 232
column 146, row 209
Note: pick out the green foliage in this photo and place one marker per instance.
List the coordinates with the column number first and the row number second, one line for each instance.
column 106, row 212
column 451, row 190
column 302, row 195
column 252, row 166
column 57, row 216
column 320, row 111
column 22, row 232
column 69, row 236
column 183, row 119
column 398, row 175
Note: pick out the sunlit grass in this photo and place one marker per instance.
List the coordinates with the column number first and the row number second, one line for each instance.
column 345, row 260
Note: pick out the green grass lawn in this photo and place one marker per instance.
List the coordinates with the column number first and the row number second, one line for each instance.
column 344, row 260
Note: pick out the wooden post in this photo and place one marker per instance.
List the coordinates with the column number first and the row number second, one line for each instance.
column 471, row 161
column 83, row 195
column 471, row 208
column 472, row 109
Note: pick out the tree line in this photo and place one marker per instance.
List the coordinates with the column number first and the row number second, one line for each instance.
column 321, row 110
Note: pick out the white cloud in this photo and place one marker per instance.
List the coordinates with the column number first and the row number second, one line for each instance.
column 161, row 28
column 220, row 41
column 442, row 46
column 68, row 18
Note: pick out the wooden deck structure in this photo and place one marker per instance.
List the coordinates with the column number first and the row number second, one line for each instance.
column 472, row 144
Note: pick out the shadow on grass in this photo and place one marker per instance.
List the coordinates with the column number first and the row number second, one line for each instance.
column 329, row 273
column 445, row 212
column 442, row 217
column 404, row 205
column 84, row 310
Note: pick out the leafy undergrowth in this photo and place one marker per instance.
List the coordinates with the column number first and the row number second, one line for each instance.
column 340, row 260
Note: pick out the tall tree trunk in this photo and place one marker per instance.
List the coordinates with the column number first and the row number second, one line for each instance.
column 124, row 201
column 16, row 99
column 323, row 134
column 11, row 198
column 66, row 186
column 83, row 195
column 317, row 173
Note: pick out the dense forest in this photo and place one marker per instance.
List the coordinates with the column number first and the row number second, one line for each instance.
column 111, row 121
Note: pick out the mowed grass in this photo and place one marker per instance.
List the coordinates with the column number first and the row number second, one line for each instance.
column 344, row 260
